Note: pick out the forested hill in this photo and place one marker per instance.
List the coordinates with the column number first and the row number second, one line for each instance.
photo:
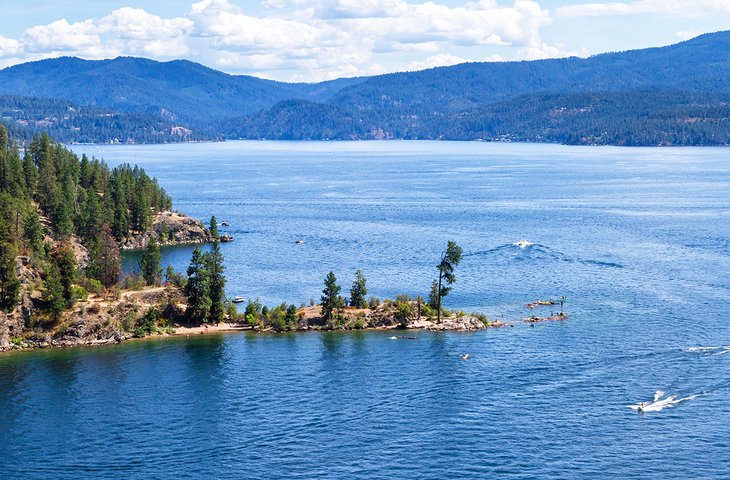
column 670, row 95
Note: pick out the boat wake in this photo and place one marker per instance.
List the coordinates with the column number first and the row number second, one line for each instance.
column 710, row 351
column 528, row 251
column 660, row 402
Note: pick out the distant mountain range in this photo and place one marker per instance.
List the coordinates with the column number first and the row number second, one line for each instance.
column 674, row 95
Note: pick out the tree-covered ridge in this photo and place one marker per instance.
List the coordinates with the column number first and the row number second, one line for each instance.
column 53, row 203
column 673, row 95
column 71, row 123
column 645, row 117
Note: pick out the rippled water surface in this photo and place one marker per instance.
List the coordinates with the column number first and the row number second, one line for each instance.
column 637, row 239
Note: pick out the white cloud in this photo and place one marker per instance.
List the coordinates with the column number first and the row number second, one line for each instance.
column 301, row 39
column 61, row 36
column 440, row 60
column 659, row 7
column 8, row 47
column 688, row 34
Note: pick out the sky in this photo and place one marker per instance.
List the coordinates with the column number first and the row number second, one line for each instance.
column 299, row 40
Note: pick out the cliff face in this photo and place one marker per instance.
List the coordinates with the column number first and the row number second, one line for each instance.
column 98, row 320
column 171, row 228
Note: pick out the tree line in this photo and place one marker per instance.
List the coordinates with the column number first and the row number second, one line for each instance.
column 51, row 201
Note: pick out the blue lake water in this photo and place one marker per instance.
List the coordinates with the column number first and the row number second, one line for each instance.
column 637, row 239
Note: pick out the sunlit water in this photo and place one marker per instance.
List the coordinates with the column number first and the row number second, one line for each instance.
column 637, row 239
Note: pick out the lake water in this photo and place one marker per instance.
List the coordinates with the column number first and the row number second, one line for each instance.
column 637, row 239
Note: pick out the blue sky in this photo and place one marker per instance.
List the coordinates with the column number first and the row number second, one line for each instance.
column 299, row 40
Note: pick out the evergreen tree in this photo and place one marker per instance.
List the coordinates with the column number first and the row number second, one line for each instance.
column 197, row 288
column 4, row 137
column 47, row 188
column 9, row 283
column 140, row 212
column 62, row 219
column 331, row 299
column 64, row 262
column 30, row 172
column 217, row 283
column 91, row 215
column 449, row 260
column 120, row 225
column 358, row 291
column 214, row 228
column 105, row 263
column 150, row 262
column 53, row 293
column 33, row 232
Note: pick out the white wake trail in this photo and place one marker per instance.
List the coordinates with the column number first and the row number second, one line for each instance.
column 659, row 403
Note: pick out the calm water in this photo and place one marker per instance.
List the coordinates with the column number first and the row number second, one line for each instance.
column 638, row 239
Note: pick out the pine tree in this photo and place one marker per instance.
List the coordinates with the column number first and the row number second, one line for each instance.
column 105, row 263
column 214, row 228
column 359, row 290
column 217, row 283
column 62, row 219
column 150, row 262
column 53, row 293
column 120, row 225
column 449, row 260
column 64, row 261
column 30, row 172
column 9, row 283
column 33, row 232
column 140, row 214
column 197, row 288
column 47, row 188
column 331, row 299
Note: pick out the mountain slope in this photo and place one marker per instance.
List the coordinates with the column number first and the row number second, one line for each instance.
column 673, row 85
column 181, row 90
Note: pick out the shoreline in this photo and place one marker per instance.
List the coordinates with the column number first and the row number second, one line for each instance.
column 99, row 320
column 378, row 140
column 180, row 331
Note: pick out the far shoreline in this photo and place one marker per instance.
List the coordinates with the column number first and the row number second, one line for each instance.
column 395, row 140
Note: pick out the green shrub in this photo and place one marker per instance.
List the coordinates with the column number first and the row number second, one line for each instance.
column 79, row 293
column 373, row 302
column 402, row 313
column 358, row 323
column 128, row 322
column 482, row 318
column 232, row 312
column 147, row 323
column 93, row 285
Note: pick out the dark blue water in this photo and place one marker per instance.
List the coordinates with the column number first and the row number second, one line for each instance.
column 638, row 239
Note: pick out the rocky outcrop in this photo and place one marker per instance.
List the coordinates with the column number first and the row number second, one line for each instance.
column 467, row 323
column 95, row 321
column 170, row 228
column 387, row 316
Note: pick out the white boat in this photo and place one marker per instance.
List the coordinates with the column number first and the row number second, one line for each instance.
column 299, row 242
column 238, row 300
column 522, row 243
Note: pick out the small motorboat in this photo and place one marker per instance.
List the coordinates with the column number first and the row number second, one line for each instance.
column 238, row 299
column 522, row 243
column 299, row 242
column 466, row 356
column 225, row 224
